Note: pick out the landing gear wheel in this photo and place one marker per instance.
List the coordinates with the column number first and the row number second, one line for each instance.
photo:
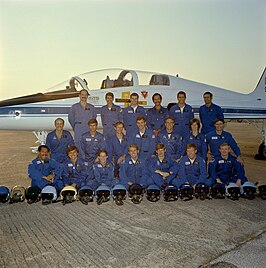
column 261, row 152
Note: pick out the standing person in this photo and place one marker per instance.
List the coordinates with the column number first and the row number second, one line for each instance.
column 182, row 114
column 79, row 115
column 58, row 141
column 208, row 113
column 75, row 169
column 117, row 147
column 144, row 139
column 91, row 142
column 45, row 171
column 197, row 138
column 156, row 115
column 110, row 114
column 172, row 141
column 131, row 113
column 215, row 138
column 133, row 169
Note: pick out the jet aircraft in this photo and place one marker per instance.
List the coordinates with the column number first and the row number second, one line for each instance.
column 37, row 112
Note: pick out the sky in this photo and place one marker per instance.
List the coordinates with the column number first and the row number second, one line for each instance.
column 217, row 42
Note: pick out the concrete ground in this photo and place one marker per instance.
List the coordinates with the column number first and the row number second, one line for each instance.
column 175, row 234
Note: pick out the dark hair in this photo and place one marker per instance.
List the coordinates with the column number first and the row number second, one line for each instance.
column 141, row 118
column 208, row 93
column 156, row 94
column 218, row 120
column 43, row 146
column 134, row 94
column 160, row 146
column 71, row 148
column 169, row 117
column 133, row 145
column 85, row 90
column 93, row 121
column 59, row 119
column 109, row 94
column 224, row 144
column 119, row 123
column 191, row 145
column 182, row 92
column 102, row 151
column 194, row 120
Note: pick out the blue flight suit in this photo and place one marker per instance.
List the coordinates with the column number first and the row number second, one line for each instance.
column 200, row 142
column 146, row 143
column 227, row 170
column 76, row 173
column 156, row 118
column 129, row 118
column 78, row 119
column 90, row 146
column 58, row 147
column 136, row 173
column 166, row 165
column 214, row 141
column 116, row 148
column 109, row 117
column 104, row 175
column 192, row 173
column 182, row 119
column 37, row 169
column 208, row 116
column 173, row 144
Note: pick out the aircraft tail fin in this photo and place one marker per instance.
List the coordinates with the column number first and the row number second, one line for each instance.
column 260, row 90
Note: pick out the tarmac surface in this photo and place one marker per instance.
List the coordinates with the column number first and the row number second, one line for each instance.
column 210, row 233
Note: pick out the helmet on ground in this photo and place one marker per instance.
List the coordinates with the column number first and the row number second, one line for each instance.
column 85, row 194
column 262, row 190
column 218, row 191
column 248, row 190
column 202, row 191
column 68, row 194
column 232, row 191
column 4, row 194
column 186, row 192
column 33, row 194
column 135, row 193
column 170, row 193
column 102, row 194
column 17, row 194
column 119, row 194
column 48, row 194
column 153, row 193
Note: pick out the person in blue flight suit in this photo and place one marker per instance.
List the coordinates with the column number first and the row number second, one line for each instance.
column 192, row 169
column 215, row 138
column 131, row 113
column 197, row 138
column 75, row 170
column 110, row 114
column 91, row 143
column 144, row 139
column 117, row 147
column 134, row 169
column 182, row 114
column 162, row 168
column 225, row 168
column 208, row 113
column 156, row 115
column 103, row 171
column 79, row 115
column 172, row 141
column 44, row 170
column 58, row 141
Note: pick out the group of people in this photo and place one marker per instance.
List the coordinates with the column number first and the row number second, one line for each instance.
column 154, row 148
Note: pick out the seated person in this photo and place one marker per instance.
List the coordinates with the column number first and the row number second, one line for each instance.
column 117, row 147
column 161, row 167
column 192, row 169
column 44, row 170
column 171, row 140
column 133, row 169
column 196, row 138
column 75, row 169
column 103, row 171
column 58, row 141
column 225, row 168
column 215, row 138
column 143, row 138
